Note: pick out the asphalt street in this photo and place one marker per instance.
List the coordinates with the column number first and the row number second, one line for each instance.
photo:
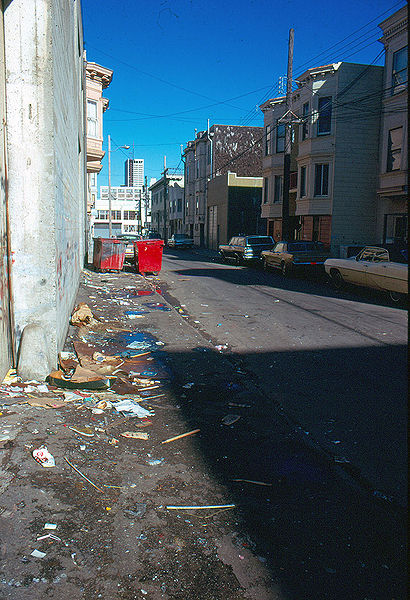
column 336, row 362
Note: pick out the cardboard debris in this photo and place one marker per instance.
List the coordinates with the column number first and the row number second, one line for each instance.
column 82, row 315
column 45, row 402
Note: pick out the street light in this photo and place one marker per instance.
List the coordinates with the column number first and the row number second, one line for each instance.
column 109, row 184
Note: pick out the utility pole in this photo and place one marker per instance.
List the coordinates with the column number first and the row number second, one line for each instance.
column 288, row 128
column 109, row 189
column 164, row 173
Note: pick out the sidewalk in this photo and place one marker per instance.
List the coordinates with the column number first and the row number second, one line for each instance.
column 99, row 522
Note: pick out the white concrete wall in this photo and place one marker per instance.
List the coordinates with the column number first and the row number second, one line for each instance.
column 43, row 44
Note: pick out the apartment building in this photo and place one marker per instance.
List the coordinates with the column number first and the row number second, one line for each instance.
column 392, row 192
column 167, row 197
column 126, row 211
column 217, row 151
column 334, row 155
column 97, row 79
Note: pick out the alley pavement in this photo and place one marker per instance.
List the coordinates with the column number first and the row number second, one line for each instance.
column 235, row 505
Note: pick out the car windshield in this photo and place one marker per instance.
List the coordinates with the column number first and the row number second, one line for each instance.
column 179, row 236
column 260, row 239
column 305, row 246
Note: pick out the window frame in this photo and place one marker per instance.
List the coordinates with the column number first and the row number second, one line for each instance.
column 302, row 189
column 279, row 136
column 305, row 124
column 265, row 190
column 91, row 119
column 324, row 114
column 319, row 190
column 278, row 189
column 268, row 139
column 395, row 73
column 393, row 153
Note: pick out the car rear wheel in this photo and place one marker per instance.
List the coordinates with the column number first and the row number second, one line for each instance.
column 336, row 279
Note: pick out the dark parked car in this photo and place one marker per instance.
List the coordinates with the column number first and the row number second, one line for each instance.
column 153, row 235
column 180, row 240
column 246, row 248
column 289, row 256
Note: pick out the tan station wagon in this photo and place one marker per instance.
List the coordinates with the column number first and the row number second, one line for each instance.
column 377, row 267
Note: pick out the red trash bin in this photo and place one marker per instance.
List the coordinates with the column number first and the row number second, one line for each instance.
column 108, row 253
column 148, row 256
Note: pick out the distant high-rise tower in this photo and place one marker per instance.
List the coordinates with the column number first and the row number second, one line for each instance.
column 134, row 172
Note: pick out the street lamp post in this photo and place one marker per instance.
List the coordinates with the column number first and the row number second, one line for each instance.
column 109, row 184
column 109, row 189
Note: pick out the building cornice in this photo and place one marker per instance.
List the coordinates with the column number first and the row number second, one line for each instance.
column 99, row 73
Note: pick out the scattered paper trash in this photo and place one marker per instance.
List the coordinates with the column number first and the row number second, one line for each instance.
column 230, row 419
column 43, row 456
column 137, row 511
column 207, row 507
column 50, row 526
column 138, row 435
column 38, row 554
column 87, row 431
column 188, row 386
column 131, row 408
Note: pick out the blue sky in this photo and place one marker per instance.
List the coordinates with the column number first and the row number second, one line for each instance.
column 178, row 63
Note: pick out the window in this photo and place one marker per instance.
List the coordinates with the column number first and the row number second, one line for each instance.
column 102, row 214
column 179, row 204
column 302, row 181
column 322, row 179
column 265, row 189
column 93, row 179
column 268, row 140
column 325, row 115
column 91, row 118
column 394, row 149
column 399, row 71
column 305, row 124
column 280, row 136
column 116, row 215
column 129, row 215
column 277, row 194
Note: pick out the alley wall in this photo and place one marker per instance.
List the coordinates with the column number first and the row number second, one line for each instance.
column 45, row 115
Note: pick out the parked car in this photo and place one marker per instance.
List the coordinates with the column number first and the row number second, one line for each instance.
column 130, row 238
column 180, row 240
column 247, row 248
column 292, row 255
column 153, row 235
column 378, row 267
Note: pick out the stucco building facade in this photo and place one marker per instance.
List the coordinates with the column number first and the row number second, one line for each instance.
column 334, row 155
column 44, row 187
column 392, row 192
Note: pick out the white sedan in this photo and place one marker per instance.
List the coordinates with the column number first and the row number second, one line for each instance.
column 377, row 267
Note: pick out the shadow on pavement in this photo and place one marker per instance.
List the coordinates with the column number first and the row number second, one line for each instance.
column 306, row 504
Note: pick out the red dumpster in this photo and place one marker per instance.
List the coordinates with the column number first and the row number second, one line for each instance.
column 148, row 256
column 108, row 254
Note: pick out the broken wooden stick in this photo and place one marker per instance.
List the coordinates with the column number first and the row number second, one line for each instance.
column 178, row 437
column 82, row 475
column 211, row 506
